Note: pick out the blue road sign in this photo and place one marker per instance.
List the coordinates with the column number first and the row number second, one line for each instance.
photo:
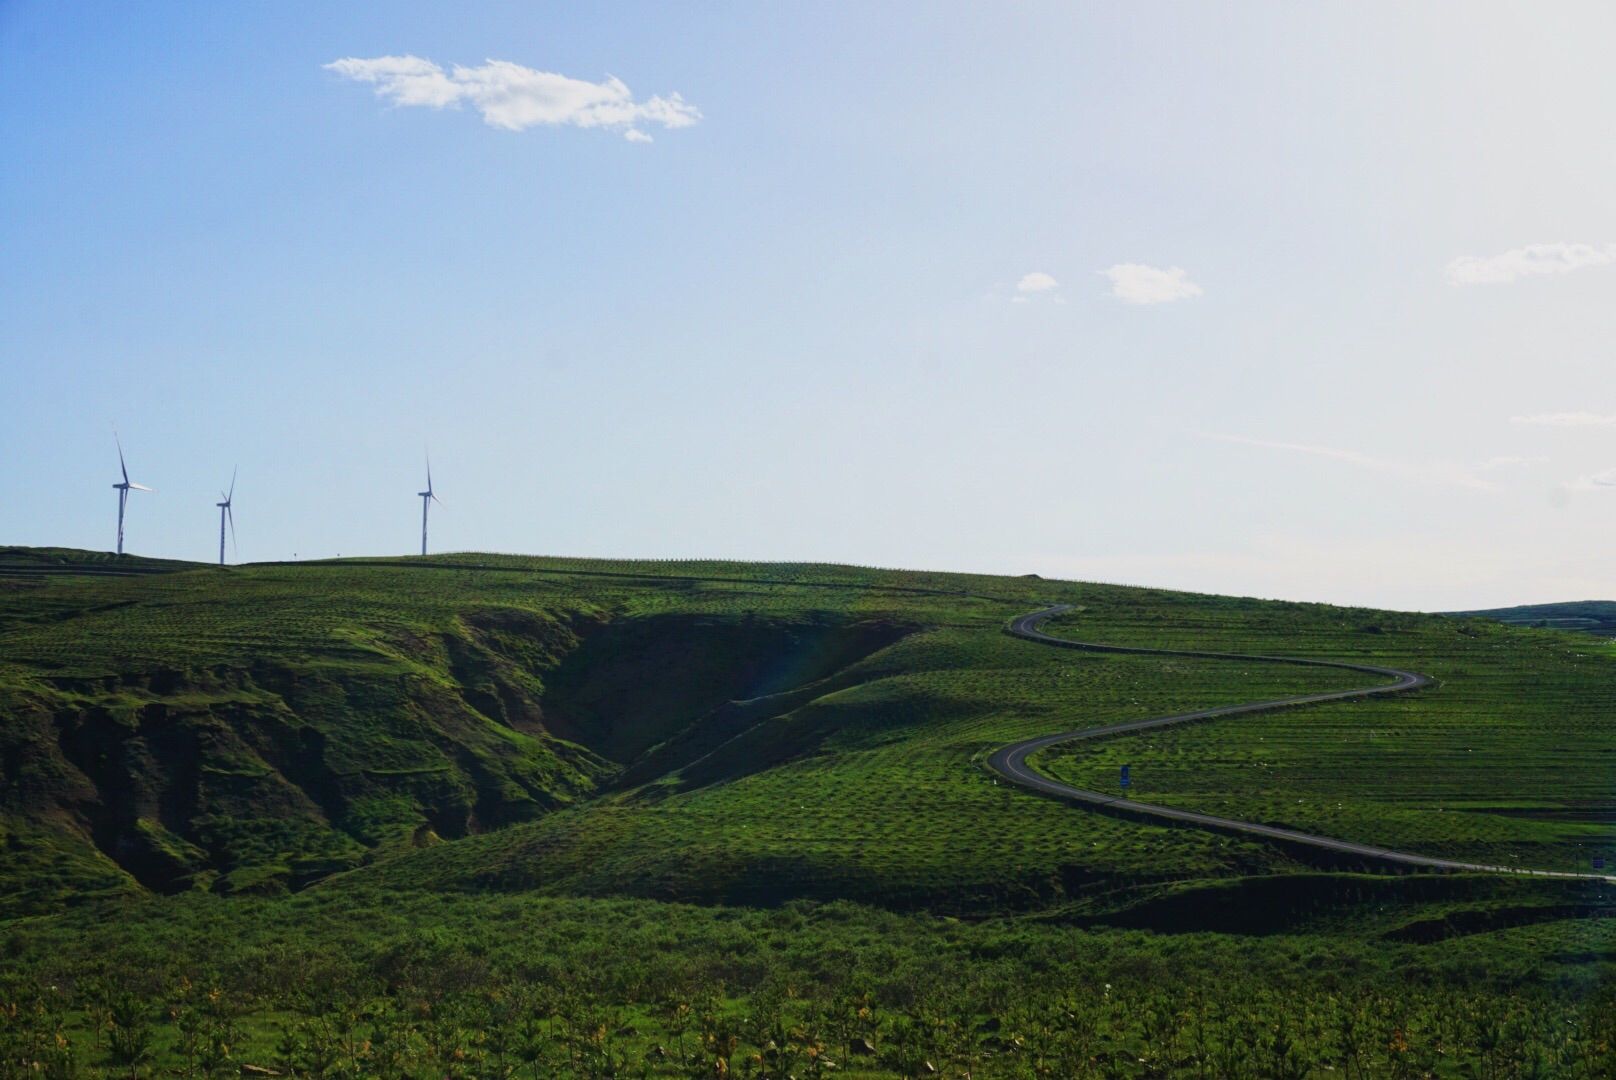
column 1125, row 778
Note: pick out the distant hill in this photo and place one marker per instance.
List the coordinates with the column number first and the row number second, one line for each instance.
column 32, row 562
column 1590, row 616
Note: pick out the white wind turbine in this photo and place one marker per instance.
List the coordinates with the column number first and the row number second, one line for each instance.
column 124, row 489
column 225, row 514
column 427, row 499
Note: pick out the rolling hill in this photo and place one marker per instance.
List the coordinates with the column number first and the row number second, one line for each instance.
column 1590, row 616
column 367, row 757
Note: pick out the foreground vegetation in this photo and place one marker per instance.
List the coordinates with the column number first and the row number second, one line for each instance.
column 494, row 816
column 363, row 984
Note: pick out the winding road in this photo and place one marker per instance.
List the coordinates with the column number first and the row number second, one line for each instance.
column 1010, row 762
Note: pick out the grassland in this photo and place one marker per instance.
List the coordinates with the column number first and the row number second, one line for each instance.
column 1587, row 616
column 476, row 804
column 433, row 696
column 1507, row 761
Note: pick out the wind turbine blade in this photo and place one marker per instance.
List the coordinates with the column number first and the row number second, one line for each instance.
column 437, row 500
column 232, row 485
column 121, row 466
column 138, row 487
column 230, row 516
column 429, row 472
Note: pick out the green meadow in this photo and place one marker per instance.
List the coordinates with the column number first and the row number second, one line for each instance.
column 486, row 815
column 1504, row 762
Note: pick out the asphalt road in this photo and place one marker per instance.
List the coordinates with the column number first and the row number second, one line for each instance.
column 1010, row 762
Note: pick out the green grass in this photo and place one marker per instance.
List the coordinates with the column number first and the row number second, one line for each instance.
column 875, row 811
column 463, row 979
column 1587, row 616
column 435, row 788
column 719, row 731
column 1507, row 761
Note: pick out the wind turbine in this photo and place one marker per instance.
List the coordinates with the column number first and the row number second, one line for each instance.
column 124, row 489
column 427, row 499
column 226, row 514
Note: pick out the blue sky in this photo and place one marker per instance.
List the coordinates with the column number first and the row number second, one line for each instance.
column 793, row 327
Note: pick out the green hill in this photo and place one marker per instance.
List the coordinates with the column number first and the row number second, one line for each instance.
column 259, row 728
column 726, row 732
column 1591, row 616
column 361, row 773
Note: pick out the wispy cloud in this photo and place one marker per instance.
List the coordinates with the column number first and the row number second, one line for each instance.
column 1035, row 284
column 514, row 97
column 1533, row 260
column 1567, row 419
column 1138, row 283
column 1451, row 474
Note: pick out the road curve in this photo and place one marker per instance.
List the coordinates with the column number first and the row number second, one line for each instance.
column 1010, row 762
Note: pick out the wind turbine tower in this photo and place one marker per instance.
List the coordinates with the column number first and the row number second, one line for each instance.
column 226, row 514
column 427, row 499
column 124, row 489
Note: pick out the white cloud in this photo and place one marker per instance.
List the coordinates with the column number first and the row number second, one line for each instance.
column 1036, row 282
column 1533, row 260
column 1566, row 419
column 1140, row 284
column 514, row 97
column 405, row 80
column 1434, row 472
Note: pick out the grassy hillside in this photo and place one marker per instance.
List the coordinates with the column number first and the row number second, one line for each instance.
column 259, row 728
column 747, row 732
column 725, row 732
column 1589, row 616
column 1509, row 760
column 363, row 774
